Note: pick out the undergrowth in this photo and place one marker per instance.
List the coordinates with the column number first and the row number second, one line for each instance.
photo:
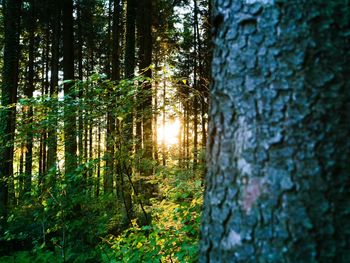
column 172, row 235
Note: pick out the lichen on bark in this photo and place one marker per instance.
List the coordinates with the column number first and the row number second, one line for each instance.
column 277, row 184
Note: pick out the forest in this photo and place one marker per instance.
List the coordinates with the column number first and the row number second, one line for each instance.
column 175, row 131
column 103, row 129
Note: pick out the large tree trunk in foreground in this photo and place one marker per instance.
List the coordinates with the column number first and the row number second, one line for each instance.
column 278, row 179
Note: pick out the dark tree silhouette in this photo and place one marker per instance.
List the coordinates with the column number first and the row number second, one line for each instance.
column 8, row 98
column 70, row 142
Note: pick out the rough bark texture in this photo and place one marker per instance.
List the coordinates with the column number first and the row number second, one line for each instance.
column 278, row 179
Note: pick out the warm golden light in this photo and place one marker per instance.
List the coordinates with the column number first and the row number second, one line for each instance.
column 169, row 133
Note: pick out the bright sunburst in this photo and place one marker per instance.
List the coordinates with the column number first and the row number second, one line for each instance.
column 169, row 133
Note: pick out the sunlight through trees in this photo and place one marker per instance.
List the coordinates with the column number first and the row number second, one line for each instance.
column 102, row 121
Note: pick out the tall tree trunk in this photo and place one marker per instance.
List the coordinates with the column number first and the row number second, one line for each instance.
column 187, row 135
column 129, row 59
column 42, row 140
column 204, row 111
column 55, row 47
column 91, row 148
column 116, row 41
column 46, row 86
column 195, row 83
column 184, row 148
column 155, row 113
column 180, row 152
column 21, row 174
column 8, row 97
column 80, row 44
column 111, row 121
column 138, row 111
column 278, row 179
column 205, row 71
column 29, row 94
column 163, row 125
column 70, row 143
column 144, row 23
column 109, row 154
column 109, row 39
column 97, row 185
column 86, row 133
column 155, row 123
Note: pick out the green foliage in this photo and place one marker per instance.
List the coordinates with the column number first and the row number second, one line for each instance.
column 174, row 233
column 63, row 219
column 59, row 224
column 28, row 257
column 104, row 198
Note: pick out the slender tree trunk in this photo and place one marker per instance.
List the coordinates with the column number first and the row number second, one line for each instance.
column 184, row 151
column 129, row 59
column 80, row 77
column 99, row 161
column 145, row 56
column 46, row 88
column 180, row 139
column 86, row 134
column 278, row 178
column 195, row 84
column 109, row 154
column 129, row 62
column 29, row 94
column 204, row 57
column 139, row 142
column 56, row 32
column 163, row 125
column 111, row 121
column 87, row 115
column 91, row 149
column 155, row 123
column 187, row 137
column 203, row 118
column 21, row 172
column 110, row 37
column 155, row 115
column 41, row 160
column 116, row 41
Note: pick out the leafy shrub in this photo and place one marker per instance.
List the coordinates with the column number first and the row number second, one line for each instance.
column 174, row 233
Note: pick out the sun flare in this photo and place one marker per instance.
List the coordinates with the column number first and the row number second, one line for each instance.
column 169, row 133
